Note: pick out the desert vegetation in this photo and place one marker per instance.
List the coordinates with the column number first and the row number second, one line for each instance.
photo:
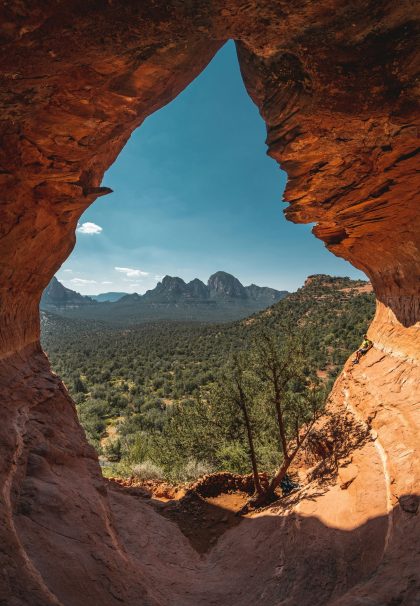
column 177, row 400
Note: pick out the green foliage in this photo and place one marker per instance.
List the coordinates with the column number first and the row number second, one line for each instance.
column 233, row 456
column 112, row 450
column 165, row 385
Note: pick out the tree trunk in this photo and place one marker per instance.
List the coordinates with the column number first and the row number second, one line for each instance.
column 243, row 407
column 287, row 462
column 279, row 412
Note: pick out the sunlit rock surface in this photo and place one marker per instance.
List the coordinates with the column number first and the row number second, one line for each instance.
column 335, row 85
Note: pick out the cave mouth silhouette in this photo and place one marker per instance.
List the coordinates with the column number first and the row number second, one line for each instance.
column 335, row 85
column 122, row 166
column 189, row 170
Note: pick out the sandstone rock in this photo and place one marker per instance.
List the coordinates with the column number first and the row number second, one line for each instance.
column 347, row 475
column 335, row 85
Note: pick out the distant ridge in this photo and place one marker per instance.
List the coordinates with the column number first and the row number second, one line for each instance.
column 221, row 286
column 222, row 299
column 111, row 297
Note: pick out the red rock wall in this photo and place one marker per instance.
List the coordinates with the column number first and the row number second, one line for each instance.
column 335, row 84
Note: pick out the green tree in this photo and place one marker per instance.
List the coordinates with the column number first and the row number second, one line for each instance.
column 239, row 392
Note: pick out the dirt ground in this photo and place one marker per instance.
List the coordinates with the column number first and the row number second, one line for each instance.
column 202, row 519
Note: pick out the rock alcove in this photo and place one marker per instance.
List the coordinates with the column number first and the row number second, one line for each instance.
column 335, row 84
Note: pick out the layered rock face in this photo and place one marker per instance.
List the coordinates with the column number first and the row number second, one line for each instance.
column 335, row 84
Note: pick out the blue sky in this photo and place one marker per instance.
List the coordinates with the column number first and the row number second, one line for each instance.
column 194, row 193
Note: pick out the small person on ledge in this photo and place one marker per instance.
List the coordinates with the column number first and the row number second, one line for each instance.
column 287, row 485
column 363, row 349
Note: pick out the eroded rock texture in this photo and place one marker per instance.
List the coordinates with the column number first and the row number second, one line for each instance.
column 335, row 83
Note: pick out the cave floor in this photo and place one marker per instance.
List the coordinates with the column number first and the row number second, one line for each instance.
column 197, row 551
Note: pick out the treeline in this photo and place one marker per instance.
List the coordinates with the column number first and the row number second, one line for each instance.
column 154, row 397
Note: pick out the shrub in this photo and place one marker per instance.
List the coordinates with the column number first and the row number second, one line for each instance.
column 233, row 457
column 193, row 470
column 112, row 450
column 147, row 471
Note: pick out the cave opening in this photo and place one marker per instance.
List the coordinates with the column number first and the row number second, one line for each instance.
column 194, row 192
column 195, row 181
column 119, row 395
column 335, row 87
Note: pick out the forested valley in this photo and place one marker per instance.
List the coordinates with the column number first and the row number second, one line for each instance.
column 157, row 400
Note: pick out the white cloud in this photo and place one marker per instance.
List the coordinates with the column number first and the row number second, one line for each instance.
column 132, row 273
column 88, row 228
column 69, row 271
column 106, row 282
column 81, row 281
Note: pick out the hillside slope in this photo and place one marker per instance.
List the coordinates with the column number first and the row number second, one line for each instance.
column 125, row 380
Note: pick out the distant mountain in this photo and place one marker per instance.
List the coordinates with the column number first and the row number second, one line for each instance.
column 111, row 297
column 221, row 286
column 222, row 299
column 171, row 289
column 57, row 297
column 225, row 286
column 222, row 294
column 128, row 299
column 263, row 293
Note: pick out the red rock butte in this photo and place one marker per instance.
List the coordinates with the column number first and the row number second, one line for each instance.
column 335, row 84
